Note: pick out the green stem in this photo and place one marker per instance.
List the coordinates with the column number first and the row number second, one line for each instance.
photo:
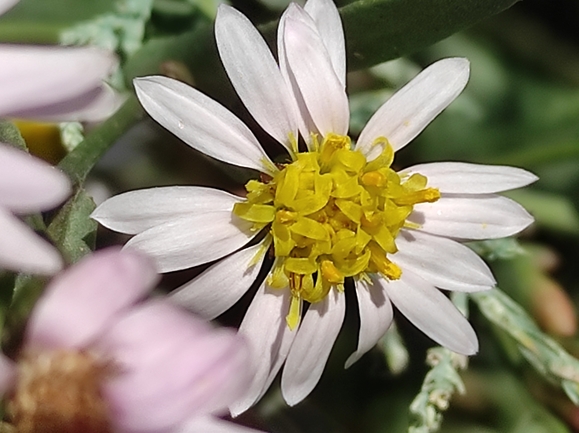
column 78, row 163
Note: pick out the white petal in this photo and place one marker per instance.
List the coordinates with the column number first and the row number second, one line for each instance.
column 442, row 262
column 207, row 424
column 463, row 178
column 6, row 4
column 201, row 122
column 375, row 317
column 471, row 217
column 312, row 346
column 413, row 107
column 269, row 337
column 28, row 184
column 136, row 211
column 221, row 285
column 255, row 74
column 320, row 87
column 193, row 240
column 431, row 312
column 329, row 25
column 40, row 76
column 23, row 250
column 305, row 123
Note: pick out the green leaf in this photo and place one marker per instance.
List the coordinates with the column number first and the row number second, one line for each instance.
column 27, row 289
column 41, row 21
column 72, row 229
column 380, row 30
column 7, row 282
column 541, row 351
column 10, row 134
column 78, row 163
column 121, row 30
column 376, row 31
column 440, row 383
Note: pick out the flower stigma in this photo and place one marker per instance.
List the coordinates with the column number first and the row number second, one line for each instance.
column 332, row 215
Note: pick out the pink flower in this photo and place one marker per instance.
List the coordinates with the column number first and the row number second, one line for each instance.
column 50, row 83
column 95, row 359
column 55, row 83
column 27, row 185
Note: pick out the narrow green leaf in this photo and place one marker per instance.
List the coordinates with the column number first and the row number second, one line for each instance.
column 72, row 229
column 541, row 351
column 7, row 282
column 41, row 21
column 27, row 289
column 440, row 383
column 376, row 31
column 380, row 30
column 78, row 163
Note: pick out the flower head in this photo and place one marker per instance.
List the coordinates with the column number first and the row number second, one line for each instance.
column 94, row 359
column 27, row 185
column 333, row 215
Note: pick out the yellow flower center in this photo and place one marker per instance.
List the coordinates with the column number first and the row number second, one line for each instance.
column 332, row 215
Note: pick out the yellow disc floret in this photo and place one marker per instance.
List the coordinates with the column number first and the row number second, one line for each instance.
column 332, row 215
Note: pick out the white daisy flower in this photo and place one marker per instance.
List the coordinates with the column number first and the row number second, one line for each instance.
column 333, row 213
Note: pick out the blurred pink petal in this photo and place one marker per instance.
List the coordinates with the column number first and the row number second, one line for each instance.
column 28, row 184
column 152, row 366
column 209, row 424
column 172, row 362
column 93, row 106
column 41, row 78
column 80, row 303
column 23, row 250
column 7, row 373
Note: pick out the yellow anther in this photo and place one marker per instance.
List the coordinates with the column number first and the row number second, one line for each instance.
column 431, row 195
column 428, row 195
column 295, row 312
column 372, row 220
column 332, row 215
column 331, row 273
column 277, row 278
column 374, row 178
column 383, row 264
column 260, row 253
column 284, row 216
column 300, row 266
column 318, row 292
column 256, row 213
column 332, row 143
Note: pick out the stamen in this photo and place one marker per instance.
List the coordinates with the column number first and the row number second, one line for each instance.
column 333, row 215
column 331, row 273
